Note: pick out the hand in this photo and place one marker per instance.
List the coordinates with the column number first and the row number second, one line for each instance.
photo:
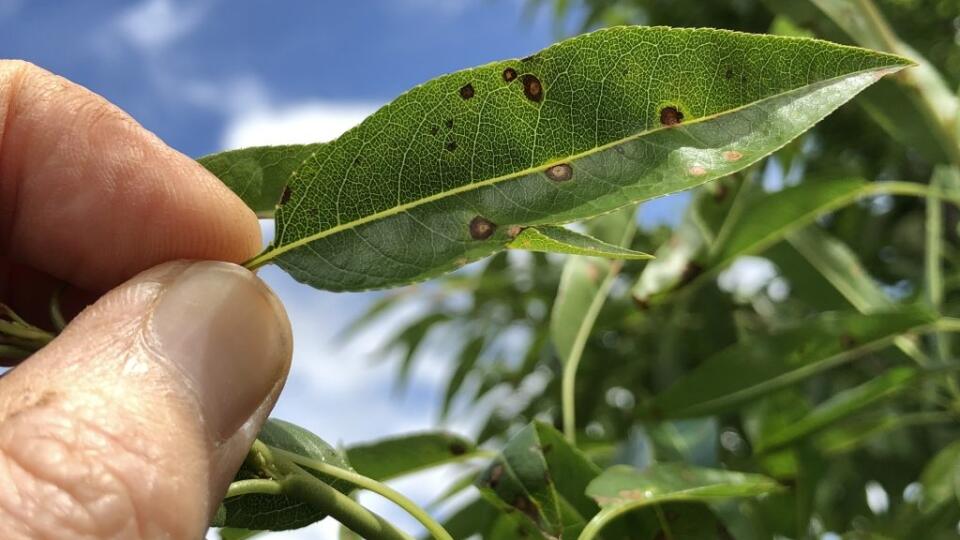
column 133, row 421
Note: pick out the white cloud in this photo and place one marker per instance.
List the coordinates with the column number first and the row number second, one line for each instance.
column 153, row 25
column 305, row 122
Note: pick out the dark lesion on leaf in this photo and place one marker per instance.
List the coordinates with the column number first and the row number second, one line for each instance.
column 670, row 116
column 448, row 123
column 481, row 228
column 527, row 507
column 728, row 74
column 560, row 172
column 467, row 91
column 285, row 196
column 434, row 130
column 532, row 88
column 509, row 74
column 457, row 448
column 451, row 145
column 495, row 474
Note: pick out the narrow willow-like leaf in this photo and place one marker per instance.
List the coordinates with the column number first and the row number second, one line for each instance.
column 841, row 406
column 258, row 175
column 279, row 512
column 760, row 365
column 840, row 266
column 440, row 176
column 389, row 458
column 621, row 489
column 551, row 239
column 941, row 479
column 542, row 478
column 661, row 482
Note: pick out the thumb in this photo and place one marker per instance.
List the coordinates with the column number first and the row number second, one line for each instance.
column 133, row 421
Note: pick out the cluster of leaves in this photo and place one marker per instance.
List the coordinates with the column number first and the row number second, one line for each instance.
column 677, row 389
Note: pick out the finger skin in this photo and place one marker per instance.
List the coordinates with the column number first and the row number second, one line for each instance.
column 101, row 435
column 90, row 197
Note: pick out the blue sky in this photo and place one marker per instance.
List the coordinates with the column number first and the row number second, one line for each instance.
column 206, row 75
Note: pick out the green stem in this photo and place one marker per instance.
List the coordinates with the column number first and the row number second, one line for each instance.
column 569, row 378
column 434, row 528
column 602, row 519
column 12, row 352
column 257, row 485
column 306, row 487
column 568, row 382
column 56, row 314
column 27, row 332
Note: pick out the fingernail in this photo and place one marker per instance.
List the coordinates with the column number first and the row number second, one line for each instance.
column 228, row 333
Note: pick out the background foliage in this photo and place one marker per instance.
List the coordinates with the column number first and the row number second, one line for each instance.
column 804, row 361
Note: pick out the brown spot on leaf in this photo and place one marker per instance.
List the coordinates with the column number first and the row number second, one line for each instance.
column 690, row 272
column 732, row 155
column 481, row 228
column 670, row 116
column 509, row 74
column 285, row 196
column 560, row 172
column 847, row 341
column 720, row 192
column 525, row 505
column 467, row 91
column 449, row 123
column 545, row 449
column 728, row 74
column 697, row 170
column 514, row 231
column 457, row 448
column 451, row 145
column 434, row 130
column 532, row 88
column 495, row 474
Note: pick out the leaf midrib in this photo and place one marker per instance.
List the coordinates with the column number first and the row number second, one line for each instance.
column 273, row 252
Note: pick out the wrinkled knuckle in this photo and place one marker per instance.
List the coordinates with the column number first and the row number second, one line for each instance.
column 63, row 476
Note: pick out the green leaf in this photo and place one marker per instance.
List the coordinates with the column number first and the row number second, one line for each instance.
column 260, row 174
column 541, row 477
column 549, row 239
column 762, row 364
column 941, row 479
column 228, row 533
column 389, row 458
column 840, row 406
column 840, row 266
column 622, row 485
column 586, row 126
column 279, row 512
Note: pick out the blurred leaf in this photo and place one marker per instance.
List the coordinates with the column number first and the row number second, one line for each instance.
column 397, row 456
column 467, row 361
column 229, row 533
column 941, row 479
column 840, row 406
column 519, row 162
column 279, row 512
column 840, row 266
column 762, row 364
column 549, row 239
column 621, row 486
column 852, row 434
column 260, row 174
column 538, row 475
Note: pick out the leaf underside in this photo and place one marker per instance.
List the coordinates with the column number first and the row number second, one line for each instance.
column 443, row 175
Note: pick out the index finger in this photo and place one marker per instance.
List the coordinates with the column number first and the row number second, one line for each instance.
column 90, row 197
